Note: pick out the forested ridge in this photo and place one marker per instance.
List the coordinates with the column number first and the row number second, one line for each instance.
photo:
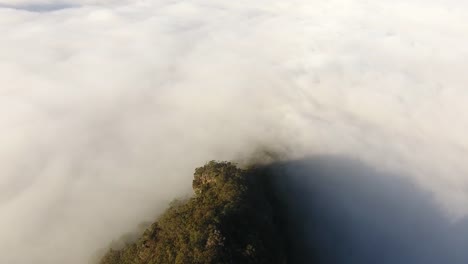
column 233, row 217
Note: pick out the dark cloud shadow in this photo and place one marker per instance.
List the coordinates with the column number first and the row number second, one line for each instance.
column 342, row 211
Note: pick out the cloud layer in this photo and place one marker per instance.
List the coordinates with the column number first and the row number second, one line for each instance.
column 107, row 106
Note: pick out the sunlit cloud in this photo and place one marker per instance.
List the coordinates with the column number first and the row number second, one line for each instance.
column 107, row 106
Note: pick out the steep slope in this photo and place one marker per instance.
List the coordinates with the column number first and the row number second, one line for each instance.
column 230, row 219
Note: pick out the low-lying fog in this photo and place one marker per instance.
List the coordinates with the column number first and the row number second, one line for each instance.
column 107, row 106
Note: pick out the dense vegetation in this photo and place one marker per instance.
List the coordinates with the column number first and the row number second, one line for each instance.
column 230, row 219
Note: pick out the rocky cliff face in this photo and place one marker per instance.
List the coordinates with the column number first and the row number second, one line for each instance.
column 230, row 219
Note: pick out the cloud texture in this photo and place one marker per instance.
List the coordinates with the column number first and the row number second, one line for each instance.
column 107, row 106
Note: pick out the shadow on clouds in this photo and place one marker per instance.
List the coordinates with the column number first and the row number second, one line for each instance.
column 342, row 211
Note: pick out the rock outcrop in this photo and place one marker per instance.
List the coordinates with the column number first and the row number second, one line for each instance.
column 230, row 219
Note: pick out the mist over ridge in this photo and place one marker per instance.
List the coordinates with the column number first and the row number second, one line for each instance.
column 106, row 107
column 319, row 209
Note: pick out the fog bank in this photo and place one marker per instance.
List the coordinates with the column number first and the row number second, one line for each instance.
column 107, row 106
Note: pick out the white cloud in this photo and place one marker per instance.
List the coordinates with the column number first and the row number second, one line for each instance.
column 107, row 107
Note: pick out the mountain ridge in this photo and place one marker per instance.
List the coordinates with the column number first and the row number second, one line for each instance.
column 231, row 218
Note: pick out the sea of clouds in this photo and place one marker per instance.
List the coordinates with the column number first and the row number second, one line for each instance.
column 106, row 107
